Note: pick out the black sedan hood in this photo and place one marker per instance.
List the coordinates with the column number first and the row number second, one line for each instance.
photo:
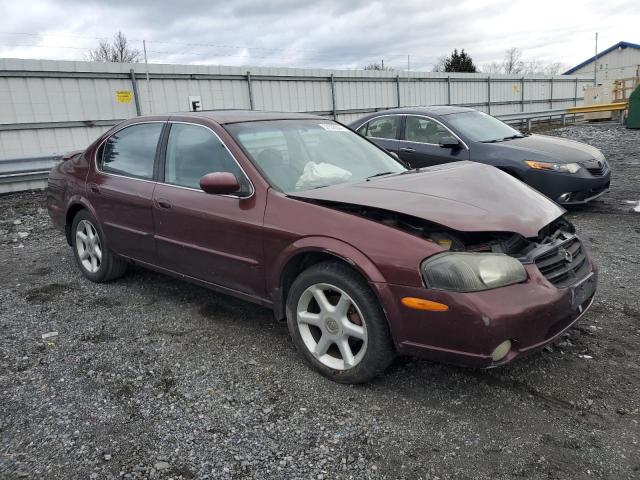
column 550, row 149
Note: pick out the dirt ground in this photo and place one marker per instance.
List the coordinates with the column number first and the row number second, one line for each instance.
column 150, row 377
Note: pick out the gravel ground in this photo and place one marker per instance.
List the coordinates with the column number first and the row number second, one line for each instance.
column 150, row 377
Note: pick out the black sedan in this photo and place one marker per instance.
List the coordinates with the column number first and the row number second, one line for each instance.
column 566, row 171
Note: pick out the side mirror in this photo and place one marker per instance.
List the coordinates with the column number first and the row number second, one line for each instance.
column 221, row 183
column 449, row 142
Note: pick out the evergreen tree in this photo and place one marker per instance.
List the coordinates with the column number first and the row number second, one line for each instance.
column 459, row 62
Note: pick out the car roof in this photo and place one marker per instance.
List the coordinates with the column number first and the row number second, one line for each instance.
column 238, row 116
column 432, row 109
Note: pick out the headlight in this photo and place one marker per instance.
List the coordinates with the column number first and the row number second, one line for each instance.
column 471, row 272
column 558, row 167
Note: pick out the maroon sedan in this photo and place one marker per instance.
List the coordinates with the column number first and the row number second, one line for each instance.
column 363, row 257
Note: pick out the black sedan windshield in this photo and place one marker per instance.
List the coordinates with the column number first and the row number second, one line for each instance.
column 299, row 155
column 480, row 127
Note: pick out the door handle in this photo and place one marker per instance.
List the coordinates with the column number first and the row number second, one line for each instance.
column 94, row 188
column 407, row 149
column 162, row 203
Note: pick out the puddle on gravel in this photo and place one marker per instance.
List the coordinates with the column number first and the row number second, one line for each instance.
column 47, row 293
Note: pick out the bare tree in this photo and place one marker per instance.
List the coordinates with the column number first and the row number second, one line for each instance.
column 118, row 51
column 493, row 67
column 535, row 66
column 554, row 68
column 440, row 64
column 532, row 66
column 378, row 66
column 513, row 61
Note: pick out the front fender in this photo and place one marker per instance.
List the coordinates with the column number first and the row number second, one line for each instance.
column 332, row 246
column 320, row 244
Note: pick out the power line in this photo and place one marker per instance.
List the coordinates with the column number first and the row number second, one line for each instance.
column 299, row 62
column 182, row 53
column 213, row 45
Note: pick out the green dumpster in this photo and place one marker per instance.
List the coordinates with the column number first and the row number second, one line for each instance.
column 633, row 118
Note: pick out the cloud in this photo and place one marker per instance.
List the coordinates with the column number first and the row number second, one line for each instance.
column 329, row 33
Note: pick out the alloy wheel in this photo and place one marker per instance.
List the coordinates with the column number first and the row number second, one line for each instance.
column 88, row 246
column 332, row 326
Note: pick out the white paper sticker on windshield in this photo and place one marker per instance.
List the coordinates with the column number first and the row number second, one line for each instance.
column 333, row 127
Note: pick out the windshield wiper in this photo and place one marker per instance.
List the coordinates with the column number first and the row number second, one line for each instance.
column 378, row 175
column 411, row 170
column 496, row 140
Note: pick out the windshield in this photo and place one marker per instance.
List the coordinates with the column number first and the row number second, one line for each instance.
column 480, row 127
column 297, row 155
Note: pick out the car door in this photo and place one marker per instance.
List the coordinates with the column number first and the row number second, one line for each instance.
column 420, row 142
column 213, row 238
column 384, row 131
column 120, row 188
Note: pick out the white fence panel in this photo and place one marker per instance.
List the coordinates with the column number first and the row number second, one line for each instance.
column 49, row 107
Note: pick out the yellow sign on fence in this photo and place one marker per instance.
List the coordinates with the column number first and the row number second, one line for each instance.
column 124, row 96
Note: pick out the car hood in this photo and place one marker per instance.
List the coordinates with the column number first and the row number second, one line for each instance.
column 464, row 196
column 551, row 149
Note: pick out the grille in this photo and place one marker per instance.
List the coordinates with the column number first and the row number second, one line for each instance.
column 564, row 264
column 599, row 171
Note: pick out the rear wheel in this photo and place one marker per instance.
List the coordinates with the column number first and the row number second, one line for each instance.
column 95, row 260
column 337, row 324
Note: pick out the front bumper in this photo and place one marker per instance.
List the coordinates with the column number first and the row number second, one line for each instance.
column 531, row 315
column 581, row 187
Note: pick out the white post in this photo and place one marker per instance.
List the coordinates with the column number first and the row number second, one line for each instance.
column 595, row 65
column 408, row 84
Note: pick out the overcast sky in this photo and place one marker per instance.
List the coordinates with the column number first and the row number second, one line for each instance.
column 317, row 33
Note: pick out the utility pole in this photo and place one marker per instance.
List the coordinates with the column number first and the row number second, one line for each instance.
column 382, row 63
column 595, row 65
column 146, row 67
column 408, row 84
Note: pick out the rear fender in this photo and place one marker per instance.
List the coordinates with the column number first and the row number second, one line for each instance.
column 74, row 203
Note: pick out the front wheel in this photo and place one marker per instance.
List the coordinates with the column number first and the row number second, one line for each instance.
column 336, row 322
column 95, row 260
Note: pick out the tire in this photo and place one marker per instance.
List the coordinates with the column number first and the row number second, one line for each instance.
column 98, row 265
column 351, row 318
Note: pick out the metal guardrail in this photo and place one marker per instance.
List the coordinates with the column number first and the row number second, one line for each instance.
column 530, row 116
column 604, row 107
column 26, row 173
column 561, row 113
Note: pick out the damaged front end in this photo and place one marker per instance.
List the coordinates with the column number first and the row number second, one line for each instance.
column 556, row 250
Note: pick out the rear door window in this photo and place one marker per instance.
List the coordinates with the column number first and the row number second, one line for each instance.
column 131, row 151
column 384, row 127
column 424, row 130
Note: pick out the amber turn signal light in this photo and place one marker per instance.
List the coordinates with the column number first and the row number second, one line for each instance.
column 538, row 165
column 422, row 304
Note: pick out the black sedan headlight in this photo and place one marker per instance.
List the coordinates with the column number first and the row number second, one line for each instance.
column 471, row 272
column 556, row 167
